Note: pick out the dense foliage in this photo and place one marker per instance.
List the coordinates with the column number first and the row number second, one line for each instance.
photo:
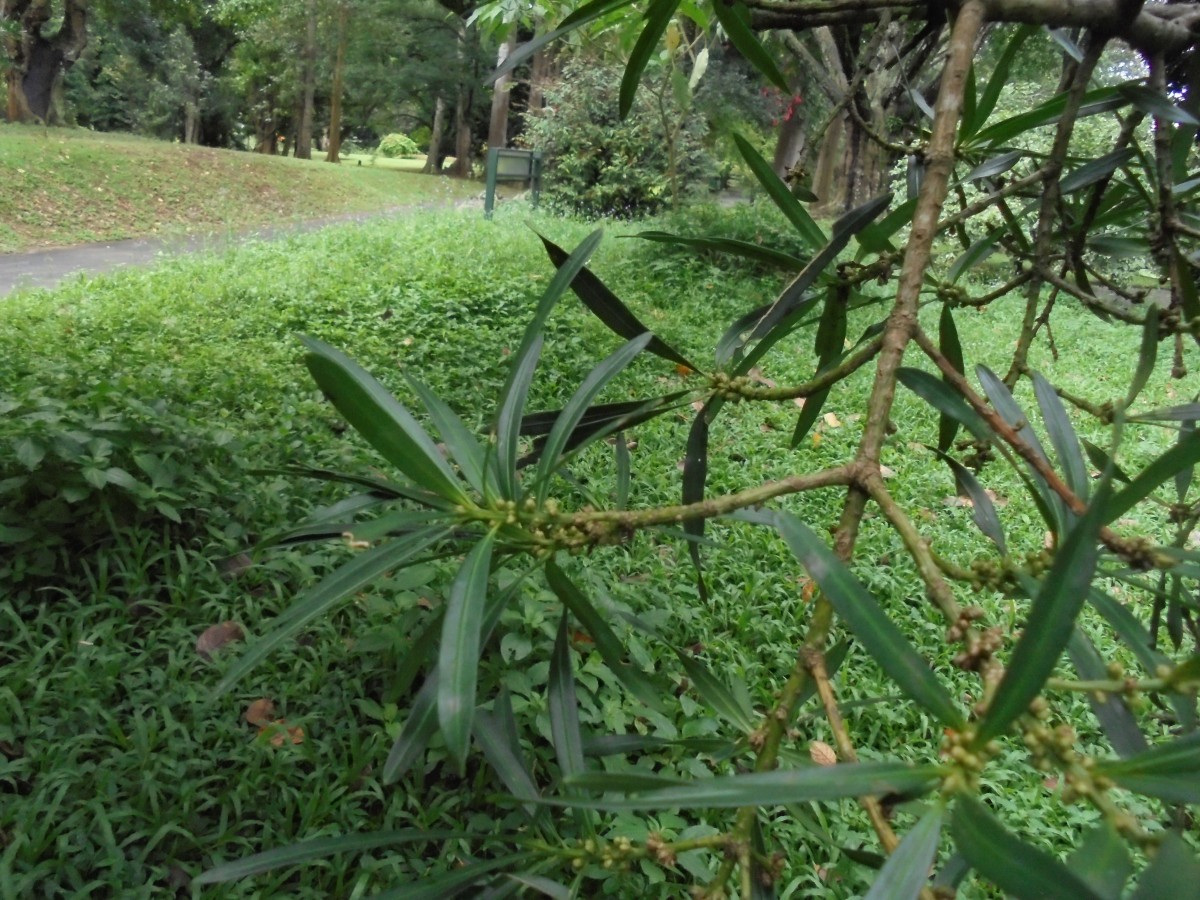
column 600, row 164
column 394, row 146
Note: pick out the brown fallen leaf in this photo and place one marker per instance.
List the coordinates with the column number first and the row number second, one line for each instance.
column 822, row 754
column 886, row 472
column 832, row 420
column 799, row 401
column 261, row 712
column 756, row 375
column 281, row 734
column 216, row 637
column 697, row 405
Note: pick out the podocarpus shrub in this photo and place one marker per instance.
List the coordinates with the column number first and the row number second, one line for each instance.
column 990, row 663
column 601, row 165
column 395, row 146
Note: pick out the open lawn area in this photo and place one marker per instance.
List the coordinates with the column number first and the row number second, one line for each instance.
column 152, row 425
column 68, row 186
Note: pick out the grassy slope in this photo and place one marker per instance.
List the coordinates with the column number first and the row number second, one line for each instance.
column 66, row 186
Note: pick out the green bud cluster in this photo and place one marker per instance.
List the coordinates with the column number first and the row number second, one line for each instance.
column 614, row 855
column 729, row 388
column 968, row 761
column 952, row 294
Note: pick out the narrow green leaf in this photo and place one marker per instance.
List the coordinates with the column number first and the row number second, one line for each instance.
column 735, row 19
column 1050, row 624
column 344, row 581
column 1103, row 462
column 828, row 345
column 585, row 14
column 1169, row 771
column 381, row 419
column 980, row 250
column 886, row 644
column 658, row 16
column 609, row 309
column 464, row 446
column 1183, row 412
column 503, row 756
column 378, row 487
column 780, row 195
column 440, row 887
column 945, row 400
column 458, row 656
column 1157, row 104
column 736, row 335
column 1173, row 875
column 695, row 474
column 743, row 249
column 907, row 869
column 624, row 744
column 1018, row 868
column 1114, row 716
column 876, row 237
column 1189, row 291
column 951, row 348
column 1183, row 478
column 1102, row 860
column 577, row 406
column 623, row 466
column 1181, row 455
column 620, row 782
column 607, row 643
column 1147, row 356
column 516, row 386
column 420, row 726
column 564, row 709
column 983, row 511
column 1095, row 170
column 541, row 884
column 998, row 81
column 713, row 692
column 779, row 787
column 1062, row 436
column 997, row 165
column 307, row 851
column 1094, row 102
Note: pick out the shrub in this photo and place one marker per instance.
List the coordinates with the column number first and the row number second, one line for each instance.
column 599, row 165
column 394, row 146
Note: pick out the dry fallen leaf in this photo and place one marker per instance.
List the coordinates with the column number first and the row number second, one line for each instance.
column 218, row 636
column 799, row 401
column 1048, row 540
column 822, row 754
column 261, row 712
column 685, row 371
column 281, row 734
column 758, row 377
column 697, row 405
column 885, row 472
column 832, row 420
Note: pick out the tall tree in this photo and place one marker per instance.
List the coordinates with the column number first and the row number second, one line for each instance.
column 308, row 84
column 36, row 60
column 339, row 70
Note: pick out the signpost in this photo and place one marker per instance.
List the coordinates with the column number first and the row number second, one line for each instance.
column 504, row 164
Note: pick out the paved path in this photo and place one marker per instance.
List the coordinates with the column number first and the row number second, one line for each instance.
column 46, row 268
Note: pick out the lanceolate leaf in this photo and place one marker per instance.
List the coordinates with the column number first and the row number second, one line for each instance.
column 1103, row 462
column 609, row 309
column 1094, row 103
column 516, row 386
column 1114, row 716
column 779, row 193
column 1183, row 412
column 975, row 254
column 463, row 445
column 1169, row 771
column 1102, row 860
column 344, row 581
column 381, row 419
column 780, row 787
column 1181, row 455
column 1173, row 875
column 734, row 18
column 907, row 869
column 886, row 644
column 1096, row 170
column 983, row 511
column 715, row 693
column 1146, row 357
column 945, row 400
column 451, row 884
column 830, row 339
column 744, row 249
column 1049, row 626
column 695, row 474
column 503, row 756
column 1156, row 104
column 589, row 12
column 997, row 82
column 1018, row 868
column 458, row 656
column 577, row 406
column 319, row 848
column 607, row 643
column 997, row 165
column 1062, row 435
column 564, row 710
column 951, row 348
column 414, row 736
column 658, row 16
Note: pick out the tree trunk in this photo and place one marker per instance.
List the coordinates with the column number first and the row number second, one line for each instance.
column 789, row 146
column 433, row 155
column 462, row 133
column 339, row 70
column 191, row 122
column 498, row 126
column 308, row 80
column 539, row 73
column 822, row 183
column 37, row 63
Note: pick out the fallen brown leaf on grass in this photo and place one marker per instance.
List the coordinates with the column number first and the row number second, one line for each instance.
column 218, row 636
column 281, row 734
column 822, row 754
column 261, row 712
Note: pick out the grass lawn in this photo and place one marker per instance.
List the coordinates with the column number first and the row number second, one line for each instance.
column 68, row 186
column 148, row 417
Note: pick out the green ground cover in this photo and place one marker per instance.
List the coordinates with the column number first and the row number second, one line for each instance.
column 67, row 186
column 140, row 410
